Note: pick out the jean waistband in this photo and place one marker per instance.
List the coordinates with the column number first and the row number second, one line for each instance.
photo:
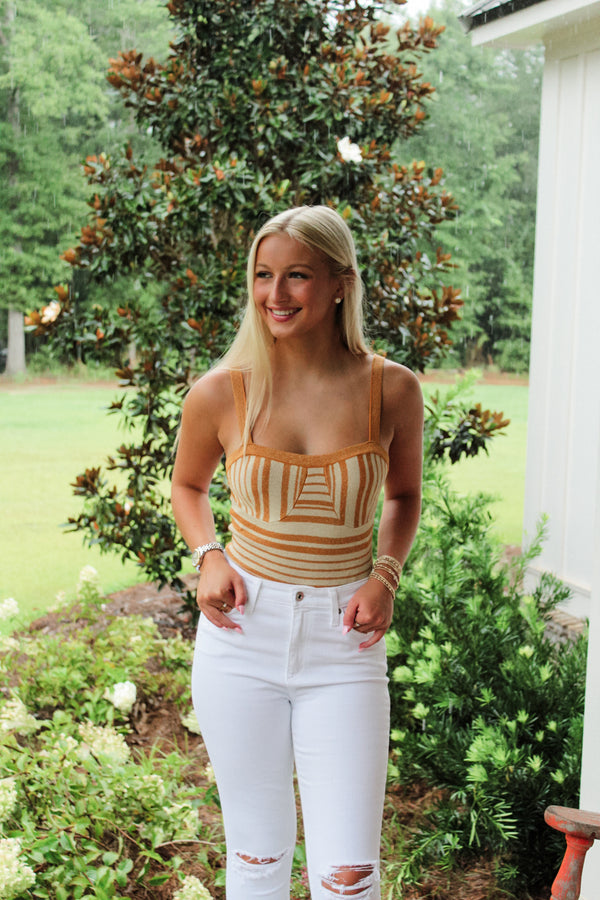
column 336, row 594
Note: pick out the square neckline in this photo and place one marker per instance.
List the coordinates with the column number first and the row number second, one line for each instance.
column 314, row 459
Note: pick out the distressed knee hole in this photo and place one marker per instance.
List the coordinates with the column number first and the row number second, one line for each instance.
column 351, row 881
column 255, row 866
column 259, row 860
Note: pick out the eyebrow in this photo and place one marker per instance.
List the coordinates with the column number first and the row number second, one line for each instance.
column 298, row 265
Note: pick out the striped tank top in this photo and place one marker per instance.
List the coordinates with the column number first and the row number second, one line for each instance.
column 306, row 519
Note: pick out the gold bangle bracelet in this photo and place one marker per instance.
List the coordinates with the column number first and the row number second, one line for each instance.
column 383, row 581
column 391, row 562
column 388, row 571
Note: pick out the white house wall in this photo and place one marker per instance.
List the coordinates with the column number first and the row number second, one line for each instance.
column 563, row 452
column 564, row 422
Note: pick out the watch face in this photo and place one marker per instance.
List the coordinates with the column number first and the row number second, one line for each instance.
column 195, row 557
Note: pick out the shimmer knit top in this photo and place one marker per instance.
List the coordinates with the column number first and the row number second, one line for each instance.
column 306, row 519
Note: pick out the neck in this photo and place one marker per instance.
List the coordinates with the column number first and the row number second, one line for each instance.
column 308, row 356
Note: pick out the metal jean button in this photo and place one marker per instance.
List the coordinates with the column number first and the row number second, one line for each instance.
column 299, row 596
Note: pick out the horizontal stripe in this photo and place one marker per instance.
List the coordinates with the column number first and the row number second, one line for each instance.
column 302, row 518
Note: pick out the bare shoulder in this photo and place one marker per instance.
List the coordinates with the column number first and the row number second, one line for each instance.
column 402, row 400
column 400, row 383
column 209, row 405
column 211, row 391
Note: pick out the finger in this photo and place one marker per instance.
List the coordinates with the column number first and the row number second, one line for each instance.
column 376, row 636
column 349, row 616
column 240, row 597
column 219, row 617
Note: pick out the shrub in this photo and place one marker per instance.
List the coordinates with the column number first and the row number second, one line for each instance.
column 485, row 703
column 82, row 815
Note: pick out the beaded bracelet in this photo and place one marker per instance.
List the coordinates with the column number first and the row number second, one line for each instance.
column 384, row 581
column 388, row 571
column 389, row 563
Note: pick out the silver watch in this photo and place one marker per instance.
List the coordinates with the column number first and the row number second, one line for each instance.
column 200, row 552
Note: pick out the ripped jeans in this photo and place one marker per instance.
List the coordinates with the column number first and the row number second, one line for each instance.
column 293, row 689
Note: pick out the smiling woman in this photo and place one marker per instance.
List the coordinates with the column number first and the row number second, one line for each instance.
column 294, row 287
column 290, row 663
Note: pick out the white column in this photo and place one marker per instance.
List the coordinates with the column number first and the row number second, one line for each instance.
column 590, row 771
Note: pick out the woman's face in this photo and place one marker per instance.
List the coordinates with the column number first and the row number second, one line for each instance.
column 294, row 290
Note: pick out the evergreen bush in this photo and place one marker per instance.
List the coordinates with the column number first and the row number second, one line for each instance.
column 486, row 702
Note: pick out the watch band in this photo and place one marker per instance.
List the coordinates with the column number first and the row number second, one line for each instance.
column 200, row 552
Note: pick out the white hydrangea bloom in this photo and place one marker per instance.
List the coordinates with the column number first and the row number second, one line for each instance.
column 88, row 574
column 105, row 743
column 122, row 696
column 7, row 643
column 89, row 582
column 9, row 608
column 14, row 717
column 186, row 818
column 191, row 722
column 8, row 798
column 15, row 876
column 192, row 889
column 154, row 785
column 209, row 773
column 348, row 151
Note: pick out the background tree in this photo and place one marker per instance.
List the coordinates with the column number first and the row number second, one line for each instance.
column 55, row 106
column 259, row 107
column 482, row 128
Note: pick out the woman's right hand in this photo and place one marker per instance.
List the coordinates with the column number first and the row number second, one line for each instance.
column 220, row 589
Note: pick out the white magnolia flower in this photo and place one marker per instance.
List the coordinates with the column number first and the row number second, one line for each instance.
column 9, row 608
column 191, row 722
column 192, row 889
column 8, row 798
column 348, row 151
column 122, row 696
column 50, row 313
column 14, row 717
column 15, row 876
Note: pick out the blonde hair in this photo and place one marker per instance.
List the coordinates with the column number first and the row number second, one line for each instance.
column 322, row 229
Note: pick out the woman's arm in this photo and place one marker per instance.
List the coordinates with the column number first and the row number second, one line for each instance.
column 402, row 425
column 203, row 436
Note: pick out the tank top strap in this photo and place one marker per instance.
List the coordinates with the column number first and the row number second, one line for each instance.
column 376, row 398
column 239, row 397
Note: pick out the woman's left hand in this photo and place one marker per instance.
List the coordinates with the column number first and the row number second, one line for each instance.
column 370, row 610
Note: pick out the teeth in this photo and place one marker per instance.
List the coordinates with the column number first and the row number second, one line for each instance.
column 283, row 313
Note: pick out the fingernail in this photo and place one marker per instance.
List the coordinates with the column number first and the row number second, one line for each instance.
column 346, row 629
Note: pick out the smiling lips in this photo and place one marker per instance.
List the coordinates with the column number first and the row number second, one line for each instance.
column 282, row 313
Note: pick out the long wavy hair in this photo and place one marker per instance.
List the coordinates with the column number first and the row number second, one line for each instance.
column 322, row 229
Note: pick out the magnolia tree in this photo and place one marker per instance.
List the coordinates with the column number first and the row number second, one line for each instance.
column 261, row 105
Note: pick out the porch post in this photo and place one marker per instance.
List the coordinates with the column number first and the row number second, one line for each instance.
column 590, row 770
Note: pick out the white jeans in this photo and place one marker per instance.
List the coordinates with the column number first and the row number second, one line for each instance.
column 292, row 688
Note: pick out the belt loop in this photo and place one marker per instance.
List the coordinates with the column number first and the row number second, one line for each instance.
column 253, row 588
column 336, row 609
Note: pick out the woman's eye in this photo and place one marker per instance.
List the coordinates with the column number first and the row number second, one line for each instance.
column 262, row 274
column 297, row 275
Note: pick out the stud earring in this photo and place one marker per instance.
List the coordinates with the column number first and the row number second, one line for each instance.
column 338, row 299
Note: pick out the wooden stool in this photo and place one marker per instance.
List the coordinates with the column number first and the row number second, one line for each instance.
column 581, row 829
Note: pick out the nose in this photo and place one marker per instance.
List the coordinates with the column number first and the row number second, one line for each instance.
column 278, row 289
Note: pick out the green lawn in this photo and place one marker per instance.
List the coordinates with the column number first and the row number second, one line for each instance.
column 502, row 472
column 51, row 432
